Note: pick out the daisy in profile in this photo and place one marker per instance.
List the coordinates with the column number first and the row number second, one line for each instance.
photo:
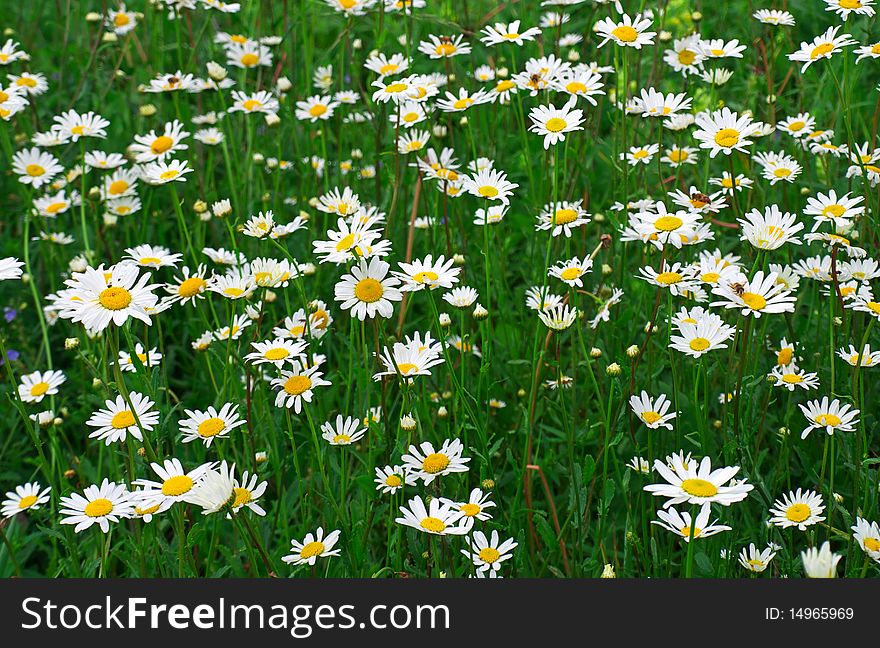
column 101, row 505
column 101, row 296
column 690, row 483
column 26, row 497
column 461, row 297
column 165, row 171
column 628, row 32
column 52, row 206
column 436, row 518
column 640, row 154
column 208, row 425
column 774, row 17
column 771, row 229
column 214, row 491
column 762, row 294
column 233, row 331
column 148, row 359
column 723, row 131
column 10, row 268
column 823, row 46
column 676, row 279
column 754, row 560
column 572, row 271
column 427, row 463
column 553, row 123
column 297, row 386
column 314, row 545
column 797, row 509
column 35, row 167
column 704, row 336
column 652, row 412
column 867, row 534
column 487, row 553
column 489, row 184
column 798, row 126
column 75, row 125
column 830, row 416
column 681, row 524
column 508, row 33
column 118, row 420
column 729, row 184
column 391, row 479
column 651, row 103
column 151, row 256
column 559, row 317
column 246, row 493
column 791, row 376
column 440, row 47
column 344, row 431
column 413, row 358
column 820, row 563
column 427, row 273
column 369, row 290
column 578, row 82
column 562, row 218
column 865, row 358
column 36, row 386
column 190, row 287
column 174, row 484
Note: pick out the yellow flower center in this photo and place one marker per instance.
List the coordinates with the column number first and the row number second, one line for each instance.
column 317, row 110
column 570, row 274
column 311, row 550
column 668, row 278
column 242, row 496
column 488, row 191
column 828, row 419
column 407, row 368
column 342, row 439
column 232, row 291
column 146, row 511
column 470, row 510
column 117, row 187
column 699, row 344
column 250, row 59
column 368, row 290
column 211, row 427
column 40, row 388
column 687, row 57
column 34, row 170
column 668, row 223
column 296, row 385
column 177, row 485
column 650, row 416
column 489, row 555
column 251, row 104
column 699, row 488
column 555, row 124
column 785, row 356
column 710, row 277
column 278, row 353
column 871, row 544
column 30, row 82
column 425, row 276
column 641, row 154
column 78, row 130
column 161, row 144
column 191, row 287
column 29, row 500
column 833, row 211
column 678, row 155
column 798, row 512
column 122, row 420
column 782, row 172
column 445, row 49
column 435, row 463
column 114, row 298
column 170, row 174
column 434, row 525
column 686, row 532
column 564, row 216
column 754, row 301
column 504, row 86
column 150, row 260
column 461, row 104
column 850, row 4
column 625, row 33
column 121, row 20
column 822, row 50
column 98, row 508
column 727, row 137
column 393, row 481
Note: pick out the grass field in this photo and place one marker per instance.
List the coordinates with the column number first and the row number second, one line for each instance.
column 436, row 288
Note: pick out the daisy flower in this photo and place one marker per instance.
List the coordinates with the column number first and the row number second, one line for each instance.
column 427, row 464
column 101, row 505
column 437, row 518
column 572, row 270
column 36, row 386
column 344, row 431
column 368, row 290
column 820, row 563
column 704, row 336
column 797, row 509
column 26, row 497
column 76, row 125
column 315, row 545
column 152, row 256
column 150, row 358
column 771, row 229
column 276, row 352
column 256, row 102
column 246, row 493
column 188, row 288
column 316, row 107
column 487, row 553
column 681, row 524
column 791, row 376
column 700, row 484
column 174, row 486
column 35, row 167
column 10, row 268
column 652, row 412
column 762, row 294
column 101, row 296
column 844, row 8
column 838, row 211
column 756, row 561
column 553, row 123
column 439, row 47
column 391, row 479
column 163, row 171
column 297, row 386
column 628, row 32
column 867, row 534
column 832, row 416
column 489, row 184
column 774, row 17
column 723, row 131
column 215, row 489
column 427, row 273
column 559, row 317
column 475, row 506
column 508, row 33
column 461, row 297
column 118, row 419
column 208, row 425
column 821, row 47
column 562, row 217
column 851, row 357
